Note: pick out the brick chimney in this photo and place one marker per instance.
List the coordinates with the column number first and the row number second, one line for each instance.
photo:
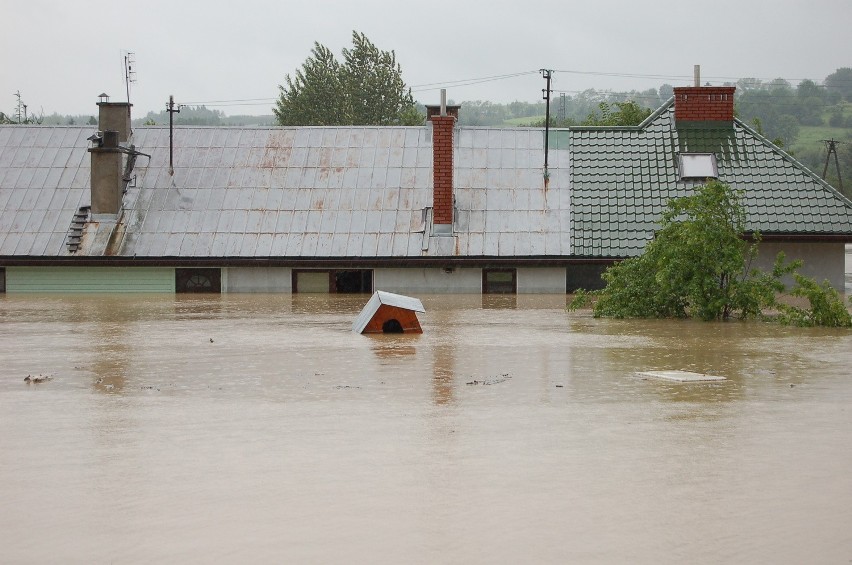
column 107, row 169
column 704, row 106
column 443, row 120
column 114, row 116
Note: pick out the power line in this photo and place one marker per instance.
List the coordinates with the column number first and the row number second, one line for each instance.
column 426, row 87
column 229, row 101
column 468, row 82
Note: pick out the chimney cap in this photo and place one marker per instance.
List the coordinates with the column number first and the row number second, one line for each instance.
column 435, row 111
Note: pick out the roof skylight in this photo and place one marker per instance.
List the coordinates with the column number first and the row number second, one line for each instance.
column 697, row 166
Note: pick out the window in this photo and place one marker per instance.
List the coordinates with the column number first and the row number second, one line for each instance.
column 198, row 280
column 342, row 281
column 586, row 276
column 697, row 166
column 2, row 280
column 499, row 281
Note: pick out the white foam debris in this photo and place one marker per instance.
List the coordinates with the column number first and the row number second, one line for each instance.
column 679, row 376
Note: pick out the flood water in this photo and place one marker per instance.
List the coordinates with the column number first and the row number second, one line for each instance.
column 259, row 428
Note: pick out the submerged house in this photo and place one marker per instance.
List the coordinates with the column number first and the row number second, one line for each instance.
column 434, row 208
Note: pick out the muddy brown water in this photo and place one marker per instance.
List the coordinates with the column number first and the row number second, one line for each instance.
column 261, row 429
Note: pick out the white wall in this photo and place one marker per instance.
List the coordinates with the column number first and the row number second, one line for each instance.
column 531, row 280
column 257, row 279
column 821, row 260
column 541, row 280
column 435, row 280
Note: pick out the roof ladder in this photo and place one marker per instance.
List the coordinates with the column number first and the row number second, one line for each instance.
column 75, row 232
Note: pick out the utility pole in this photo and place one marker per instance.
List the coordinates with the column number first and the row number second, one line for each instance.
column 832, row 149
column 546, row 73
column 170, row 108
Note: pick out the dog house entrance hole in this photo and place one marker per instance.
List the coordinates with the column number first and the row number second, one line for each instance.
column 392, row 326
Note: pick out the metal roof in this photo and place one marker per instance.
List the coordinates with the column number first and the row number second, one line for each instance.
column 622, row 179
column 366, row 192
column 309, row 192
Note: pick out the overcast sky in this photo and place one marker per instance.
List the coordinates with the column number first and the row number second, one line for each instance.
column 60, row 54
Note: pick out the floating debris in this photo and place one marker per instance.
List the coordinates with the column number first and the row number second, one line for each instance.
column 491, row 380
column 679, row 376
column 37, row 378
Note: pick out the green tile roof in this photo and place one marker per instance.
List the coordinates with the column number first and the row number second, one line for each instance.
column 622, row 178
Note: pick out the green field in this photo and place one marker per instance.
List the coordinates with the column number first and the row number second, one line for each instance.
column 518, row 122
column 810, row 137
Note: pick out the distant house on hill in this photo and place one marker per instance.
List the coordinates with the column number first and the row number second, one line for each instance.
column 435, row 208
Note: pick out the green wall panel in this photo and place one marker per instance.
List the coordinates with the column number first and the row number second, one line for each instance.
column 90, row 279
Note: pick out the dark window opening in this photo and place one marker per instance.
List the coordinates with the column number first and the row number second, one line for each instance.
column 587, row 277
column 352, row 281
column 343, row 281
column 2, row 280
column 499, row 281
column 392, row 327
column 198, row 280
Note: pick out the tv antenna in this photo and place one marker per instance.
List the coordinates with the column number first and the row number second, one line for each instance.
column 832, row 150
column 129, row 71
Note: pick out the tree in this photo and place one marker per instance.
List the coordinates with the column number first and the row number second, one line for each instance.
column 628, row 114
column 827, row 307
column 366, row 89
column 697, row 265
column 840, row 82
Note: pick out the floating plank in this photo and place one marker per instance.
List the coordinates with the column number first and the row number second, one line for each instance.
column 679, row 376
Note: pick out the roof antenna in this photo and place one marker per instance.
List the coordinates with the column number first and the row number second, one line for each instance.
column 129, row 71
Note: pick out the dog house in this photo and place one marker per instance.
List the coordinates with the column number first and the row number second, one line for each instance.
column 386, row 312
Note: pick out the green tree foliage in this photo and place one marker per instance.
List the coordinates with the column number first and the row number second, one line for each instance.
column 365, row 89
column 826, row 305
column 840, row 83
column 698, row 265
column 628, row 114
column 188, row 116
column 29, row 120
column 777, row 110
